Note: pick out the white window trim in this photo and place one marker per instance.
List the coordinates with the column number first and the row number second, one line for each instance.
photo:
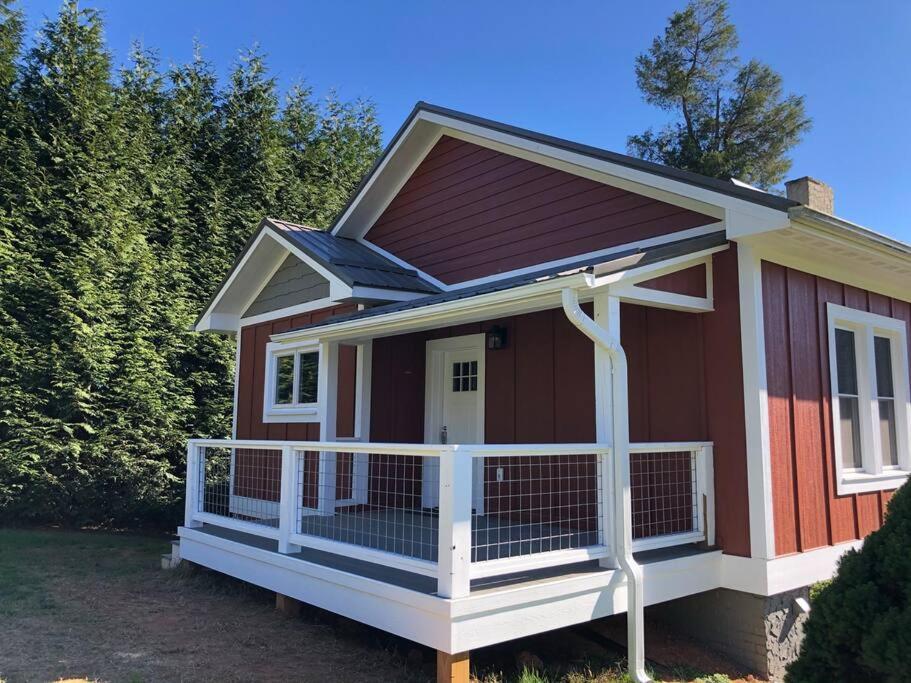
column 293, row 412
column 873, row 476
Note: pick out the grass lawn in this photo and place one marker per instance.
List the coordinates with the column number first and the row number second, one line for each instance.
column 97, row 606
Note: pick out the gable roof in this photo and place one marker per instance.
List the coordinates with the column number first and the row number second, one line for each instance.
column 347, row 263
column 737, row 190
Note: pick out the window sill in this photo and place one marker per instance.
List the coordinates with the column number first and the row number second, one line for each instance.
column 859, row 482
column 297, row 414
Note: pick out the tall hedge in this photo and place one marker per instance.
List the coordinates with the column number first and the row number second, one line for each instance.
column 860, row 624
column 125, row 194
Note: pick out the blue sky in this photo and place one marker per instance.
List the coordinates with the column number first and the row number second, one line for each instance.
column 566, row 68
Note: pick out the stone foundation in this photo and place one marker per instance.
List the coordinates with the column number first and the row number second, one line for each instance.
column 760, row 633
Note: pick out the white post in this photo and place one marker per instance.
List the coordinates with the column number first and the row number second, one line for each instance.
column 328, row 397
column 287, row 505
column 191, row 506
column 454, row 553
column 361, row 461
column 607, row 316
column 706, row 483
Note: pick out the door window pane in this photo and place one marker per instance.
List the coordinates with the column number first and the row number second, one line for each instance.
column 308, row 377
column 284, row 379
column 847, row 362
column 850, row 432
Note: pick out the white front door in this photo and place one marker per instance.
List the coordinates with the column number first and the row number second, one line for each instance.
column 454, row 408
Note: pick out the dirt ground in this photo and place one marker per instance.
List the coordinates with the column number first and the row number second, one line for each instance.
column 96, row 606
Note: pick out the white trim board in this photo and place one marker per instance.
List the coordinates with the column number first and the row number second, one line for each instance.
column 770, row 577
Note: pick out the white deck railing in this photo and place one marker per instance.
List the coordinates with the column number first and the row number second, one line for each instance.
column 539, row 505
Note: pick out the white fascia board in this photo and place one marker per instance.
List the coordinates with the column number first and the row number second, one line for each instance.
column 752, row 217
column 534, row 296
column 631, row 179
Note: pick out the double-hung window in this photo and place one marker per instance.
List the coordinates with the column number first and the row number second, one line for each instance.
column 292, row 383
column 871, row 408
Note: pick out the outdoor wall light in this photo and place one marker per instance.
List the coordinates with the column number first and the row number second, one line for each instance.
column 496, row 338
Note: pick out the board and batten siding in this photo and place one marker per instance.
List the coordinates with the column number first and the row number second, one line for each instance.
column 685, row 384
column 807, row 512
column 252, row 377
column 293, row 283
column 469, row 212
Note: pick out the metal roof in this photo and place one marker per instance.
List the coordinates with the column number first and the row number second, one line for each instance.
column 607, row 263
column 351, row 261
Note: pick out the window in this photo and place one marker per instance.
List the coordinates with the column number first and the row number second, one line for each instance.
column 465, row 376
column 292, row 383
column 871, row 409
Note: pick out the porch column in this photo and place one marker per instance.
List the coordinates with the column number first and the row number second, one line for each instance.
column 360, row 478
column 607, row 316
column 328, row 397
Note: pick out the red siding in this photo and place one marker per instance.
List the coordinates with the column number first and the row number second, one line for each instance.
column 689, row 281
column 468, row 212
column 251, row 381
column 808, row 513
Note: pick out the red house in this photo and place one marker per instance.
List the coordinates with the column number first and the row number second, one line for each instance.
column 524, row 383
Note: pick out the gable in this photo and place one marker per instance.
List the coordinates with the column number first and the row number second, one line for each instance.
column 469, row 212
column 293, row 283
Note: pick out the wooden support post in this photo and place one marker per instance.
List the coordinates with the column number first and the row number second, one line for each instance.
column 452, row 668
column 287, row 605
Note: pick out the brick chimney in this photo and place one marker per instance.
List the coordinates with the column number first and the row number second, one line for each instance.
column 812, row 193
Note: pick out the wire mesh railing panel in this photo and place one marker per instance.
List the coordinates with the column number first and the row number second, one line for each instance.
column 663, row 491
column 240, row 483
column 537, row 504
column 390, row 508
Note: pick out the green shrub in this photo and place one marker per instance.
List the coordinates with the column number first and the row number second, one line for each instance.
column 860, row 625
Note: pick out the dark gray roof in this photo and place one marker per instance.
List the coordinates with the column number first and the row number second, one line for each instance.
column 607, row 263
column 353, row 262
column 727, row 187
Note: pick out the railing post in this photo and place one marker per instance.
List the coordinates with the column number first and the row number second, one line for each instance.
column 287, row 504
column 191, row 505
column 705, row 486
column 454, row 551
column 606, row 520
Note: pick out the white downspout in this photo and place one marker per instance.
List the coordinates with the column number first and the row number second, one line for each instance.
column 622, row 502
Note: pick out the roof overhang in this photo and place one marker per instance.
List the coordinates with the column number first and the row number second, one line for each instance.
column 746, row 209
column 830, row 247
column 616, row 275
column 260, row 258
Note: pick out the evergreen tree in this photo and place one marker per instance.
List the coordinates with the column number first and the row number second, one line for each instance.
column 733, row 119
column 123, row 202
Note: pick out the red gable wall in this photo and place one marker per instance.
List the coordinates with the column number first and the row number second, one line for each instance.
column 807, row 512
column 469, row 212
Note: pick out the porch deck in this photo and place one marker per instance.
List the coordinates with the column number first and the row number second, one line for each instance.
column 428, row 585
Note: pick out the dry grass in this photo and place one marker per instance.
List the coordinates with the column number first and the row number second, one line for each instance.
column 95, row 606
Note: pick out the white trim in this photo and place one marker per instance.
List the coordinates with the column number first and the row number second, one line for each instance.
column 755, row 403
column 875, row 475
column 236, row 524
column 293, row 412
column 770, row 577
column 297, row 309
column 359, row 552
column 524, row 563
column 667, row 540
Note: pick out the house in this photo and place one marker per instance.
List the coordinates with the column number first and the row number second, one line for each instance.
column 524, row 383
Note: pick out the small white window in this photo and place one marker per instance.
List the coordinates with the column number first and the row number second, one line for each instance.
column 292, row 383
column 871, row 408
